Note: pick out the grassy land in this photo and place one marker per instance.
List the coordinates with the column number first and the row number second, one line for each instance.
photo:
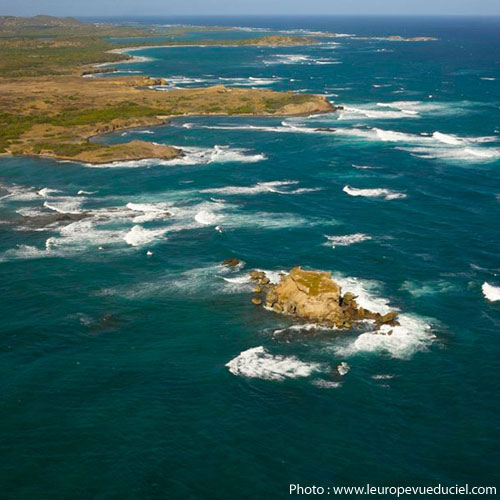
column 45, row 45
column 58, row 115
column 21, row 57
column 47, row 108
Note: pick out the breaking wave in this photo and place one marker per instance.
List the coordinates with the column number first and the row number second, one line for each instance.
column 259, row 363
column 299, row 59
column 261, row 187
column 192, row 156
column 374, row 193
column 346, row 240
column 492, row 293
column 139, row 236
column 414, row 333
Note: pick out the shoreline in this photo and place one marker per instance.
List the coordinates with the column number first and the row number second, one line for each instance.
column 59, row 128
column 80, row 143
column 136, row 59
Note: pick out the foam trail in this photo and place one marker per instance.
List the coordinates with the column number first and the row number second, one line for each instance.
column 374, row 193
column 258, row 363
column 447, row 139
column 326, row 384
column 47, row 192
column 355, row 113
column 428, row 288
column 259, row 188
column 346, row 240
column 150, row 211
column 64, row 207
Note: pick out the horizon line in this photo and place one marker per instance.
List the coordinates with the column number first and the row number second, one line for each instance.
column 112, row 16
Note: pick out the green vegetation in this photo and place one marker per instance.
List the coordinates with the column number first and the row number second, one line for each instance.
column 47, row 108
column 45, row 45
column 71, row 118
column 65, row 148
column 22, row 58
column 12, row 127
column 278, row 101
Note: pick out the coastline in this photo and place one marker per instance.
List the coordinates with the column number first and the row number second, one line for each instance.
column 56, row 125
column 68, row 134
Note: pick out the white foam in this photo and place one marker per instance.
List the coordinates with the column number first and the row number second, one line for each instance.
column 19, row 193
column 192, row 156
column 285, row 128
column 447, row 139
column 258, row 363
column 374, row 193
column 259, row 188
column 83, row 192
column 223, row 154
column 326, row 384
column 428, row 288
column 208, row 218
column 288, row 59
column 150, row 211
column 22, row 252
column 274, row 276
column 363, row 167
column 239, row 280
column 354, row 113
column 303, row 327
column 75, row 238
column 456, row 154
column 229, row 217
column 251, row 81
column 346, row 240
column 138, row 236
column 391, row 136
column 439, row 145
column 491, row 293
column 47, row 192
column 414, row 333
column 343, row 368
column 238, row 284
column 175, row 82
column 67, row 206
column 431, row 108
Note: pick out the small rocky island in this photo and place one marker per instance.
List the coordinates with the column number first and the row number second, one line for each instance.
column 314, row 296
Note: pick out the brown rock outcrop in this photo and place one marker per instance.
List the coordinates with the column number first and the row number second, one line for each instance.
column 315, row 296
column 233, row 262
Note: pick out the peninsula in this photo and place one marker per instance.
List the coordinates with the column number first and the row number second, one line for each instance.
column 48, row 109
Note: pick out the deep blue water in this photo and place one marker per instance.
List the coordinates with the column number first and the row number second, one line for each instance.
column 113, row 361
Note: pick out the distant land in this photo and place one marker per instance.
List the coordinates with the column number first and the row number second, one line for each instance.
column 48, row 109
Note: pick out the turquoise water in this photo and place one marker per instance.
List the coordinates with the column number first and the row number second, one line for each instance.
column 113, row 361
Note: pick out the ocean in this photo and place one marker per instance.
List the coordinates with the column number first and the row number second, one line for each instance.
column 133, row 364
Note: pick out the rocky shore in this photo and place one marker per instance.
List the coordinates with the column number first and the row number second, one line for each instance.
column 54, row 123
column 315, row 297
column 130, row 151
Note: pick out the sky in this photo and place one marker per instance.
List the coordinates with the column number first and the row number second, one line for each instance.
column 255, row 7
